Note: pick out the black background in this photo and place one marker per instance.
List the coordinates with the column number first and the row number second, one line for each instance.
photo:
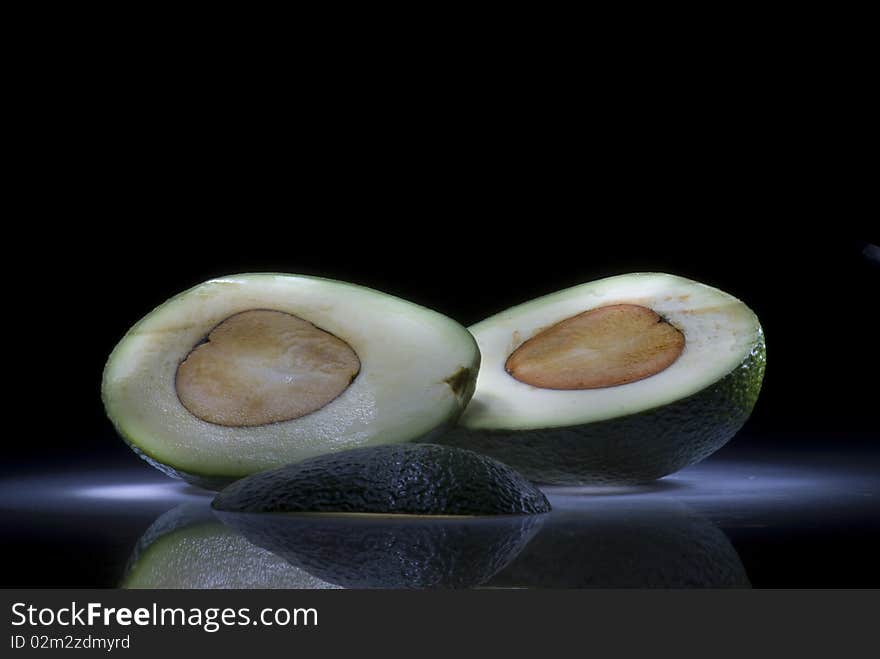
column 135, row 190
column 466, row 193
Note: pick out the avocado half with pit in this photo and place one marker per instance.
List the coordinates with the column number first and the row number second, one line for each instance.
column 249, row 372
column 625, row 379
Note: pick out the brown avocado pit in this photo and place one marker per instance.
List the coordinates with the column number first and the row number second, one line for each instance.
column 262, row 366
column 602, row 347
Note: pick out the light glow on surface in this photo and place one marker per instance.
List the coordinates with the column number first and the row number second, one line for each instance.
column 106, row 491
column 130, row 492
column 683, row 530
column 722, row 489
column 736, row 490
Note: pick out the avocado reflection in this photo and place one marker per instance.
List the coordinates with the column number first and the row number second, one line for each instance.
column 611, row 542
column 586, row 542
column 391, row 551
column 188, row 547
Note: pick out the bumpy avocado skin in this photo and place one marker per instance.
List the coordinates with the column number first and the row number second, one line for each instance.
column 388, row 552
column 632, row 449
column 415, row 479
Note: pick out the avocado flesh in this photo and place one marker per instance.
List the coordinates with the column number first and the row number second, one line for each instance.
column 390, row 552
column 656, row 544
column 189, row 548
column 633, row 432
column 417, row 371
column 397, row 479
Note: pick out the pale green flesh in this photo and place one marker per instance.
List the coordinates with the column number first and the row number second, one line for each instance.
column 409, row 383
column 720, row 333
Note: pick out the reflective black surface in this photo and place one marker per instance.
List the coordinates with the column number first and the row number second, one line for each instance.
column 740, row 519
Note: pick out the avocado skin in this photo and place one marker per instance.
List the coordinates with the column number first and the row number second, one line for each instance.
column 390, row 553
column 648, row 545
column 414, row 479
column 636, row 448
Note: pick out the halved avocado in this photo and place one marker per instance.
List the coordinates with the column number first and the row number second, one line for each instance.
column 625, row 379
column 391, row 551
column 189, row 548
column 253, row 371
column 398, row 479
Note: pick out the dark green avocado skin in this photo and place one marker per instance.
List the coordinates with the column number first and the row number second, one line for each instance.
column 389, row 552
column 632, row 449
column 414, row 479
